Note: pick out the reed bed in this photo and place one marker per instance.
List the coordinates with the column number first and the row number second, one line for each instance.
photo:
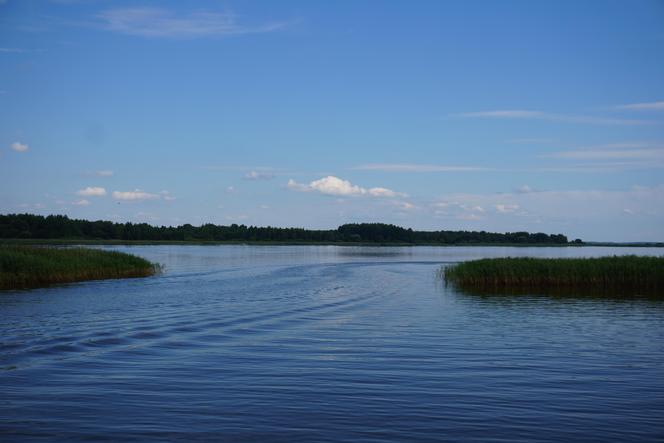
column 29, row 267
column 629, row 273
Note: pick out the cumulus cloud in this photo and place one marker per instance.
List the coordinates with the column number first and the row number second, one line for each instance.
column 91, row 192
column 81, row 202
column 331, row 185
column 160, row 23
column 256, row 175
column 19, row 147
column 135, row 195
column 383, row 192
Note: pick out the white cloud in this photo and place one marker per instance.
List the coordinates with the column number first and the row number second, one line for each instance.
column 383, row 192
column 585, row 211
column 650, row 106
column 404, row 205
column 609, row 153
column 12, row 50
column 104, row 173
column 81, row 202
column 166, row 195
column 256, row 175
column 506, row 208
column 612, row 157
column 91, row 192
column 331, row 185
column 525, row 189
column 547, row 116
column 455, row 207
column 408, row 167
column 19, row 147
column 136, row 195
column 231, row 190
column 157, row 22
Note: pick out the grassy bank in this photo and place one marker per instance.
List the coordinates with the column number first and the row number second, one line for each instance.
column 628, row 273
column 30, row 267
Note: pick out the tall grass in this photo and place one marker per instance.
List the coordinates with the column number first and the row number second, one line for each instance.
column 29, row 267
column 624, row 273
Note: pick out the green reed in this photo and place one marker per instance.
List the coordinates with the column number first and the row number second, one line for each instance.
column 29, row 267
column 629, row 272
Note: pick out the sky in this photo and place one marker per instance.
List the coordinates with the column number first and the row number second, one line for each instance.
column 476, row 115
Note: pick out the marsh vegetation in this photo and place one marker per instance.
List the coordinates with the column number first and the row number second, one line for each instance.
column 629, row 274
column 29, row 267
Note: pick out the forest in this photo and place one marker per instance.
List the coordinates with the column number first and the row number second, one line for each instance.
column 34, row 227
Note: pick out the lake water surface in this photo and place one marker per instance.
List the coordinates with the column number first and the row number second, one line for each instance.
column 325, row 343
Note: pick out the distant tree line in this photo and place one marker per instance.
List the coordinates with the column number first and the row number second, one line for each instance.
column 30, row 226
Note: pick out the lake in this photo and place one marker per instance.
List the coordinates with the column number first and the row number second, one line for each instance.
column 327, row 343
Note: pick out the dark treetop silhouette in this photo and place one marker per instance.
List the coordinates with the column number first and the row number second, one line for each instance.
column 30, row 226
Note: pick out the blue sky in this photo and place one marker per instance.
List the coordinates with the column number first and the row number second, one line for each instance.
column 498, row 116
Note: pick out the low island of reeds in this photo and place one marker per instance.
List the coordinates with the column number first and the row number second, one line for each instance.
column 627, row 274
column 23, row 267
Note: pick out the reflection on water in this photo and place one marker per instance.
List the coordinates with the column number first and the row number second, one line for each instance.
column 587, row 292
column 324, row 343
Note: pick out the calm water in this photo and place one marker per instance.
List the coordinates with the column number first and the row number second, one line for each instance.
column 321, row 343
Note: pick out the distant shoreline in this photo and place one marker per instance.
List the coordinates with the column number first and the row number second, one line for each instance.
column 74, row 241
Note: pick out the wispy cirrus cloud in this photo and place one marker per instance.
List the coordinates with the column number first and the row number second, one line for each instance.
column 553, row 117
column 331, row 185
column 636, row 151
column 647, row 106
column 158, row 22
column 411, row 167
column 258, row 175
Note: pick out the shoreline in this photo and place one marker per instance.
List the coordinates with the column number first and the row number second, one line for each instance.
column 66, row 242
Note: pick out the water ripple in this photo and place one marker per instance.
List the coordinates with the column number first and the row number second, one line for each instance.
column 324, row 344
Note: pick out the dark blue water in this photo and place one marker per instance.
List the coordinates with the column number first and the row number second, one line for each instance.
column 257, row 343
